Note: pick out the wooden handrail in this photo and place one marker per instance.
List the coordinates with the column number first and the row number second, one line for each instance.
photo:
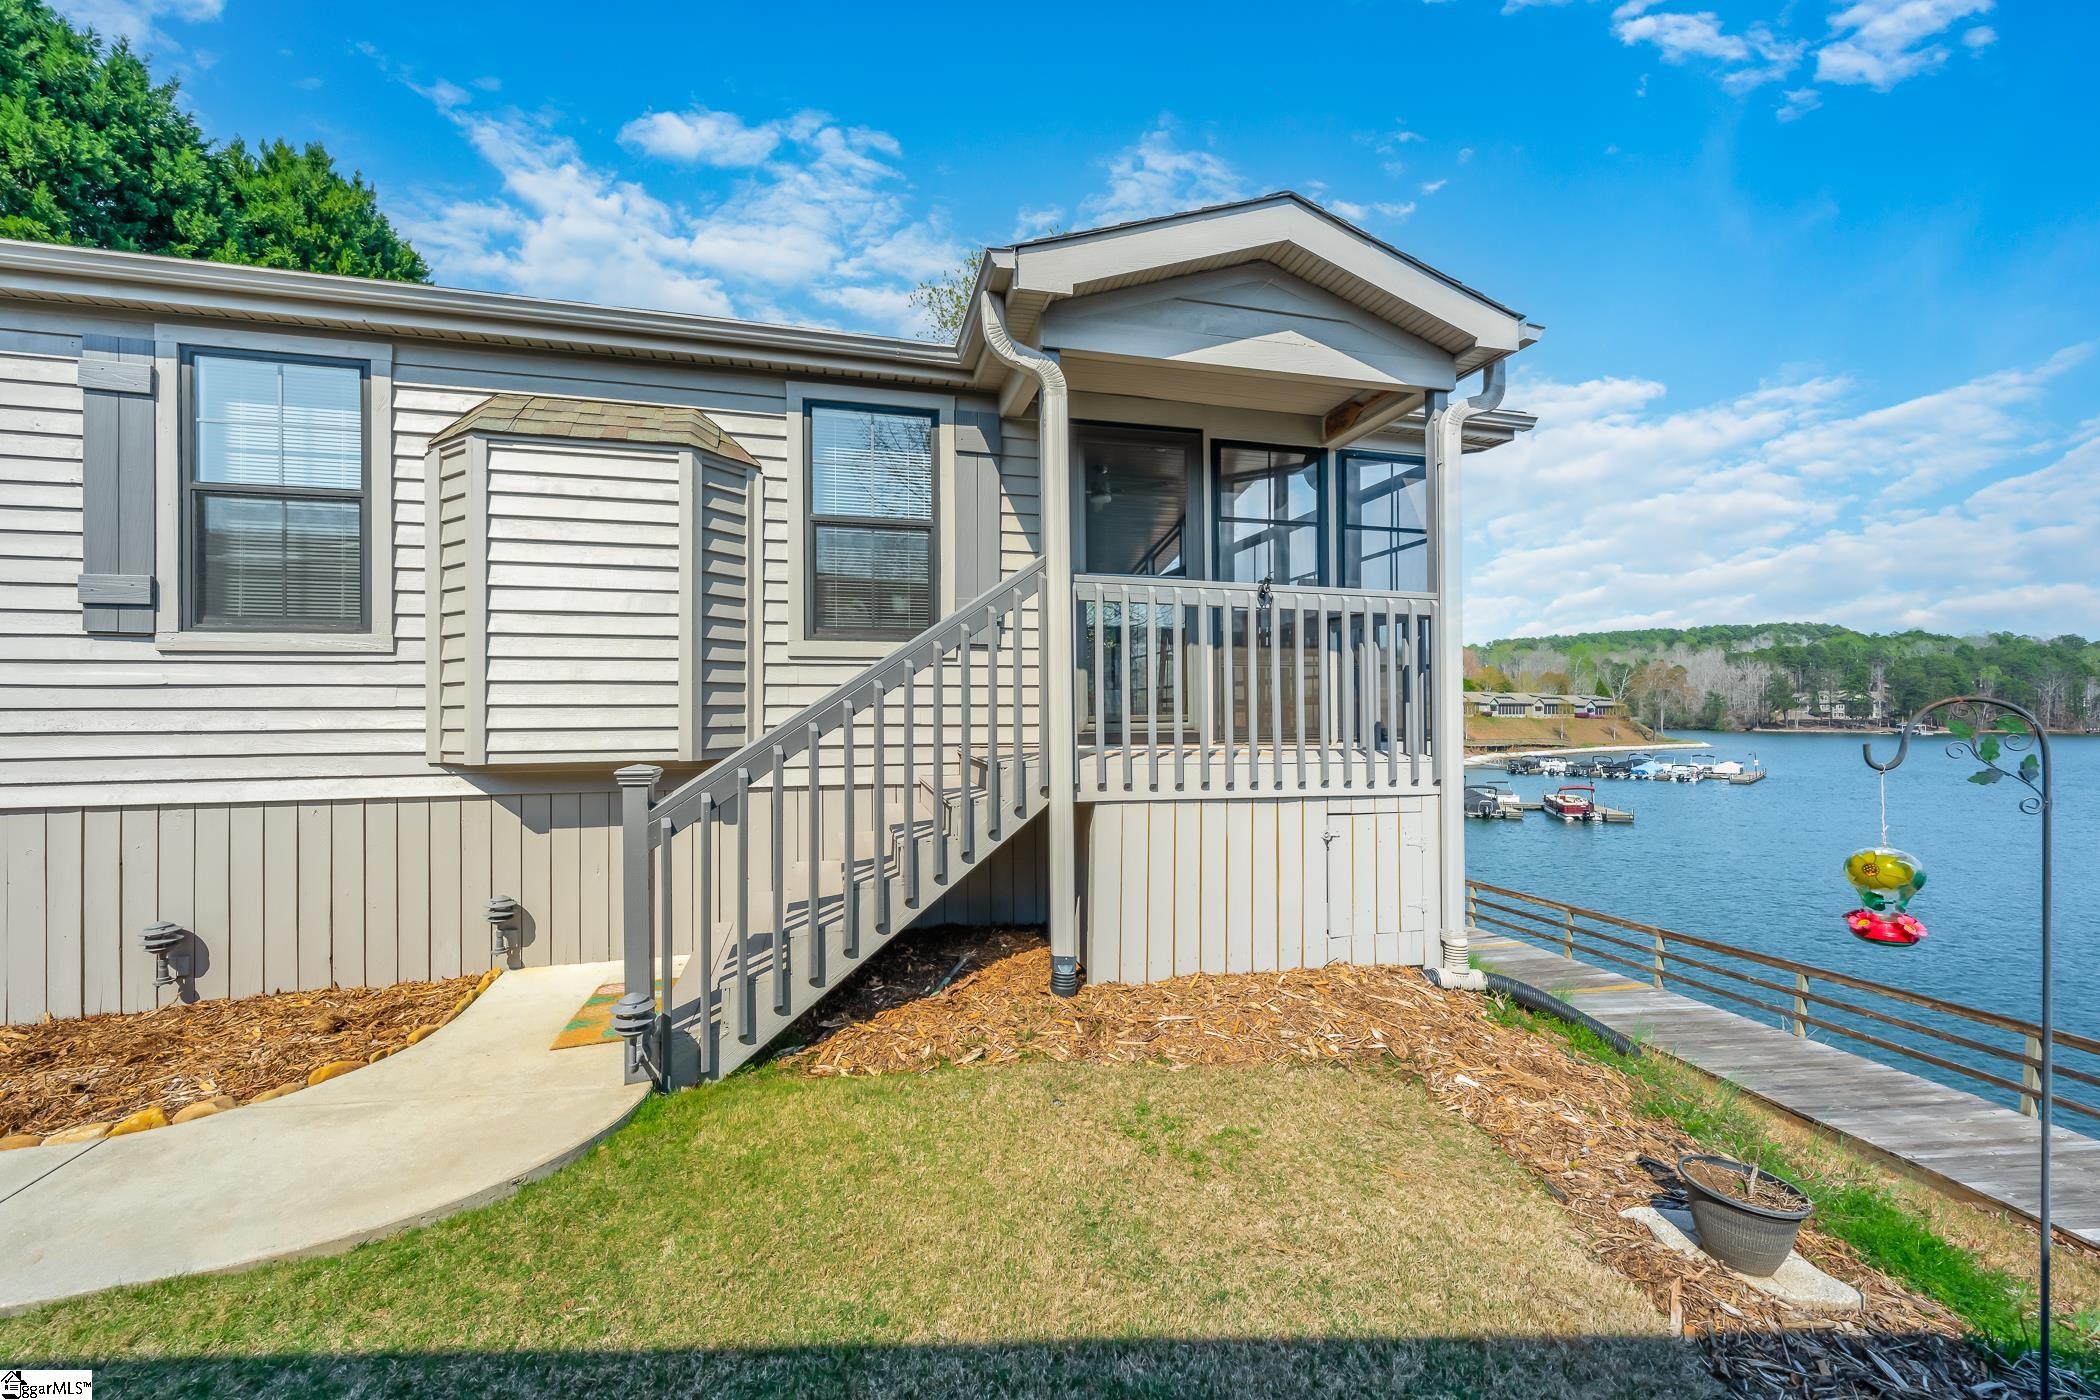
column 2064, row 1038
column 1200, row 664
column 790, row 737
column 1562, row 928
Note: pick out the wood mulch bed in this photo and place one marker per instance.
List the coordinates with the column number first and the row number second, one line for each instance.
column 97, row 1068
column 1570, row 1120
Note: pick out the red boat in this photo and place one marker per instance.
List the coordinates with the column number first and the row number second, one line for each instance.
column 1571, row 803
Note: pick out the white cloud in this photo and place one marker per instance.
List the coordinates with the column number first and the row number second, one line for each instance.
column 1510, row 7
column 1950, row 510
column 1750, row 58
column 1869, row 43
column 443, row 95
column 1396, row 211
column 1432, row 186
column 1035, row 222
column 1158, row 176
column 1799, row 103
column 888, row 308
column 1355, row 213
column 564, row 228
column 816, row 226
column 1465, row 155
column 138, row 20
column 706, row 137
column 1879, row 43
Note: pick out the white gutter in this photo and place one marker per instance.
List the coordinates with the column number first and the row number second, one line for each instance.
column 99, row 277
column 1444, row 445
column 1053, row 447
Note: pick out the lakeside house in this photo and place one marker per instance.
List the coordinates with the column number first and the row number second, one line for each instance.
column 334, row 606
column 1517, row 704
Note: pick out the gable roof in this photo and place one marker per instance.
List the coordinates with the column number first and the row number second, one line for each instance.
column 1295, row 198
column 595, row 420
column 1283, row 229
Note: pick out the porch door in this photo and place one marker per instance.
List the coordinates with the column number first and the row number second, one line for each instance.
column 1133, row 515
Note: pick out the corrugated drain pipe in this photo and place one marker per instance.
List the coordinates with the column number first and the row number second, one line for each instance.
column 1532, row 999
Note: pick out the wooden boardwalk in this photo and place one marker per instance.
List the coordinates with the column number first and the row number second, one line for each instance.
column 1979, row 1148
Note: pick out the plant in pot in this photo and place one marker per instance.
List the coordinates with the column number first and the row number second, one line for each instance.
column 1747, row 1218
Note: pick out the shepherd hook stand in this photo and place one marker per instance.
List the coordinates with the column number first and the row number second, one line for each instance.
column 2033, row 773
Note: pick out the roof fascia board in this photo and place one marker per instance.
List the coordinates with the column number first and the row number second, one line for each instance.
column 1069, row 266
column 102, row 278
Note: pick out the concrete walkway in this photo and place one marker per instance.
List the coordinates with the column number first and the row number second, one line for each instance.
column 462, row 1118
column 1975, row 1147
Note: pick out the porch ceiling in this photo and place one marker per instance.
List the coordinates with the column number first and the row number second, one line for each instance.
column 1090, row 372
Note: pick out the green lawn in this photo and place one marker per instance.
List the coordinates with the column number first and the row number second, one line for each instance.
column 1034, row 1229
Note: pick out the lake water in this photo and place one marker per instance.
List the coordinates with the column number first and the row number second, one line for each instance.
column 1761, row 867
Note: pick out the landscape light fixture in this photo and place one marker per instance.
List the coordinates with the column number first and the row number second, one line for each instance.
column 501, row 911
column 161, row 940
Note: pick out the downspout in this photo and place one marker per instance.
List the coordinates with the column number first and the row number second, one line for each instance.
column 1053, row 447
column 1444, row 445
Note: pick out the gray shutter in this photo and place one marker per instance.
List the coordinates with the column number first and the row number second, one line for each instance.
column 975, row 514
column 116, row 578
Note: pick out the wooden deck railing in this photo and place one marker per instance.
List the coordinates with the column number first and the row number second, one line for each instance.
column 1665, row 958
column 1204, row 687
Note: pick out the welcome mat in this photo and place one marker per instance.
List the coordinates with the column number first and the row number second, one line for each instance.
column 592, row 1023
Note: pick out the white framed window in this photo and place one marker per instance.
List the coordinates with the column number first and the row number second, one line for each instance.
column 275, row 521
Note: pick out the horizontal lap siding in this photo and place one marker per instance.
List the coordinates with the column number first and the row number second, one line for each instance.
column 285, row 896
column 454, row 602
column 583, row 603
column 1255, row 885
column 722, row 630
column 793, row 680
column 91, row 721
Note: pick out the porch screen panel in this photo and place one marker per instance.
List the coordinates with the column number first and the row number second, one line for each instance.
column 1385, row 523
column 276, row 493
column 871, row 495
column 1268, row 514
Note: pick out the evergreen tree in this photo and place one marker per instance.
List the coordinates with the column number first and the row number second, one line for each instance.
column 291, row 208
column 94, row 153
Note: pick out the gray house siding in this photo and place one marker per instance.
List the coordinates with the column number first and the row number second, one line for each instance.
column 308, row 813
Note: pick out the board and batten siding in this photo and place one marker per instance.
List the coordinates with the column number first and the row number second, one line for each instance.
column 1256, row 885
column 285, row 896
column 291, row 896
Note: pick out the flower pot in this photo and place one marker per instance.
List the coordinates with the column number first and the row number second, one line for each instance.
column 1751, row 1237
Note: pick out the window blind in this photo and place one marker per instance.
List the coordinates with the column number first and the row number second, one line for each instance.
column 871, row 495
column 277, row 493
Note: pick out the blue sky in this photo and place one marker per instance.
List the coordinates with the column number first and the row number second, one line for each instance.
column 1819, row 279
